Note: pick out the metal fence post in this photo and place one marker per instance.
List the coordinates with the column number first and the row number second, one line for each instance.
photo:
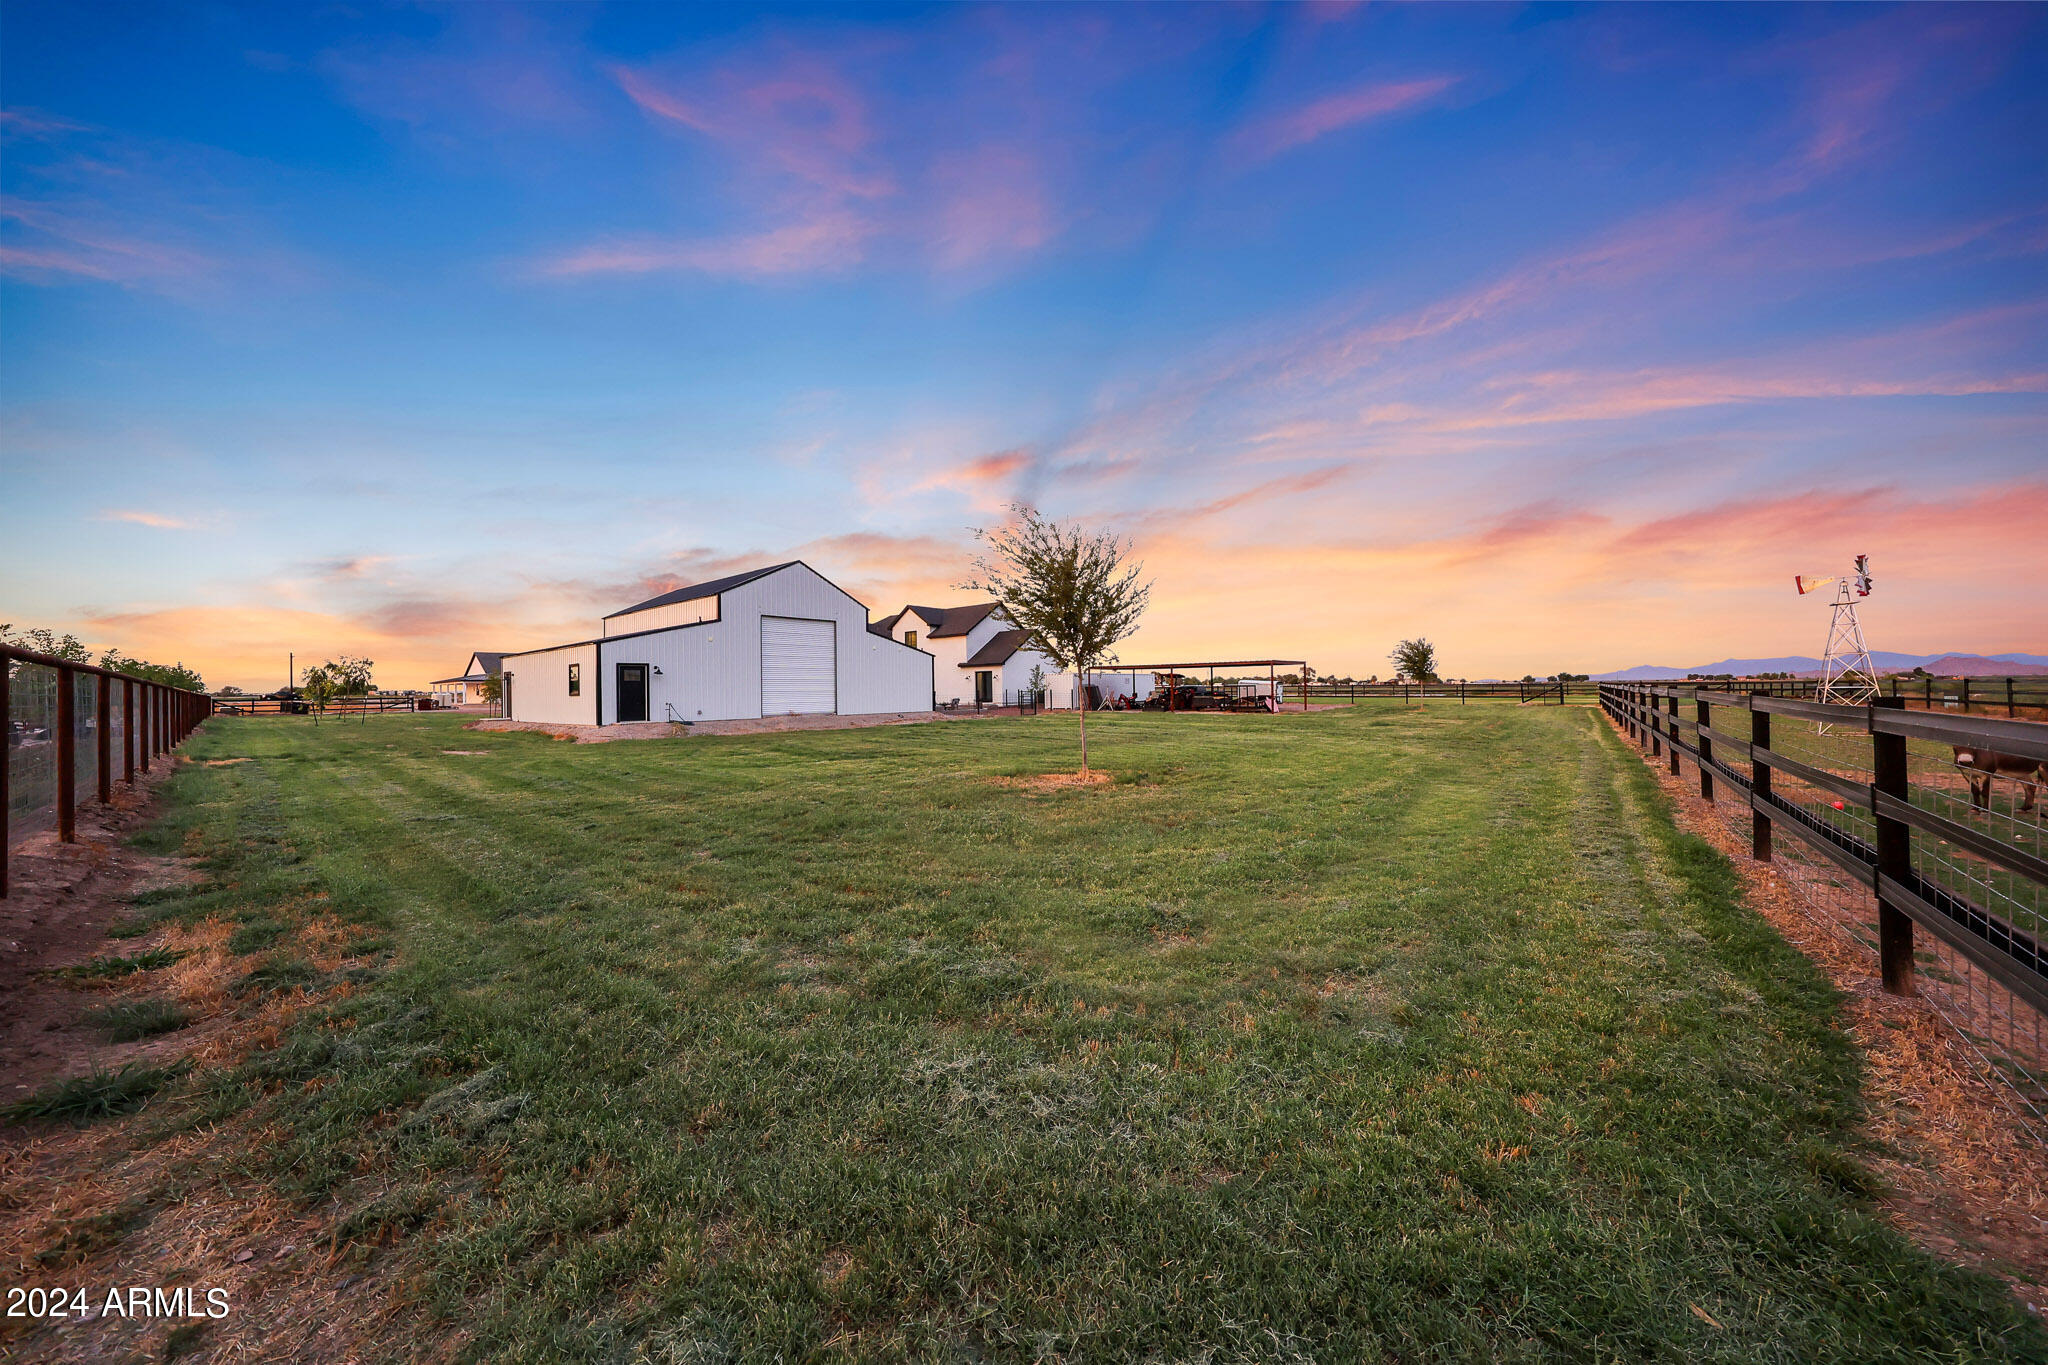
column 1894, row 860
column 67, row 755
column 1671, row 730
column 1706, row 754
column 128, row 732
column 1759, row 783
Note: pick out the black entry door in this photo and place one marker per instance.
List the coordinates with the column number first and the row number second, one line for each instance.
column 632, row 693
column 984, row 686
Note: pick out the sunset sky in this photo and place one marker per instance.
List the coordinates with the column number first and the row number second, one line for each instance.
column 1563, row 336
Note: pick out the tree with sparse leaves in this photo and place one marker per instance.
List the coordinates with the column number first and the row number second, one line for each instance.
column 1070, row 587
column 334, row 680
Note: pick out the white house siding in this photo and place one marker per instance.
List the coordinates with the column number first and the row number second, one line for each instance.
column 1017, row 668
column 713, row 671
column 540, row 685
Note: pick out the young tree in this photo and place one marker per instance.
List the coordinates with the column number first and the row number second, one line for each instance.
column 1414, row 659
column 1071, row 588
column 334, row 680
column 493, row 688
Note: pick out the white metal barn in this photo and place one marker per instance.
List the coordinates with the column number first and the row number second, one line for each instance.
column 776, row 641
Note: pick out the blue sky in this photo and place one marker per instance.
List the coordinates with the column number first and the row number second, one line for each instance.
column 1564, row 335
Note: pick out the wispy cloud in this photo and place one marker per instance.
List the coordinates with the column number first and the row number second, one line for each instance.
column 835, row 240
column 89, row 204
column 1283, row 132
column 154, row 519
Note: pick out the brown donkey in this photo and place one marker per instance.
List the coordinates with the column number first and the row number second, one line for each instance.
column 1981, row 765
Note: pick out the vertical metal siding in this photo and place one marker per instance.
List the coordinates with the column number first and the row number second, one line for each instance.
column 540, row 687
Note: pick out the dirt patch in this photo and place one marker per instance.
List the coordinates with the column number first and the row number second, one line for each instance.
column 226, row 762
column 467, row 753
column 661, row 729
column 1965, row 1180
column 1052, row 782
column 61, row 899
column 113, row 1204
column 585, row 734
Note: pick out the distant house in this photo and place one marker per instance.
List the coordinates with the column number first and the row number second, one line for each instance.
column 468, row 690
column 779, row 640
column 980, row 654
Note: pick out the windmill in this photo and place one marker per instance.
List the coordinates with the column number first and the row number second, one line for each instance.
column 1847, row 676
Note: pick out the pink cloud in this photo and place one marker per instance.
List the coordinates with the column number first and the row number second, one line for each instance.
column 155, row 519
column 68, row 244
column 802, row 119
column 1284, row 132
column 992, row 201
column 834, row 240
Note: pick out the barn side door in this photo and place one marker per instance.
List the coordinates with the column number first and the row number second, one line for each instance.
column 632, row 694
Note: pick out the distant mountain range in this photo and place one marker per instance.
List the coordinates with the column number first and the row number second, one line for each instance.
column 1951, row 664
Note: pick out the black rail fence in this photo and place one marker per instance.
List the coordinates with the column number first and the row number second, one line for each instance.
column 2011, row 697
column 73, row 731
column 1900, row 830
column 236, row 704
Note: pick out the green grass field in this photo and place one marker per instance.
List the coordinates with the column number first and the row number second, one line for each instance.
column 1370, row 1034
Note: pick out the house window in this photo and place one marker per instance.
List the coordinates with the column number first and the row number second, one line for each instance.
column 575, row 680
column 910, row 638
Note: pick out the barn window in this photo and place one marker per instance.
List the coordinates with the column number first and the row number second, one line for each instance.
column 910, row 638
column 575, row 680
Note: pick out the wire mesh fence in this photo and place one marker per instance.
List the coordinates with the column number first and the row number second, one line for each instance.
column 1973, row 846
column 31, row 748
column 73, row 731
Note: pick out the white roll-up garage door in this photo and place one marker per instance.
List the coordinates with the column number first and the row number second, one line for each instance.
column 799, row 667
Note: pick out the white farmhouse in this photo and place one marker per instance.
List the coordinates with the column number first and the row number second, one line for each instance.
column 468, row 689
column 775, row 641
column 980, row 654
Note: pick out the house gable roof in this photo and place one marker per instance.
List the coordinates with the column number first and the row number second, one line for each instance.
column 697, row 590
column 492, row 661
column 946, row 621
column 999, row 648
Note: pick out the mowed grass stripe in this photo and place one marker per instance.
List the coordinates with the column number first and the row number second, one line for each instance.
column 1363, row 1034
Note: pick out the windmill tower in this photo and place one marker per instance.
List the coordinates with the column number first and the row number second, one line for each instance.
column 1847, row 676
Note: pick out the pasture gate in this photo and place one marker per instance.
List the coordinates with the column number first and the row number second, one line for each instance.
column 1876, row 828
column 74, row 728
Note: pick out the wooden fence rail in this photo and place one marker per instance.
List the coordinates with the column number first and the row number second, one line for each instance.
column 151, row 717
column 1908, row 899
